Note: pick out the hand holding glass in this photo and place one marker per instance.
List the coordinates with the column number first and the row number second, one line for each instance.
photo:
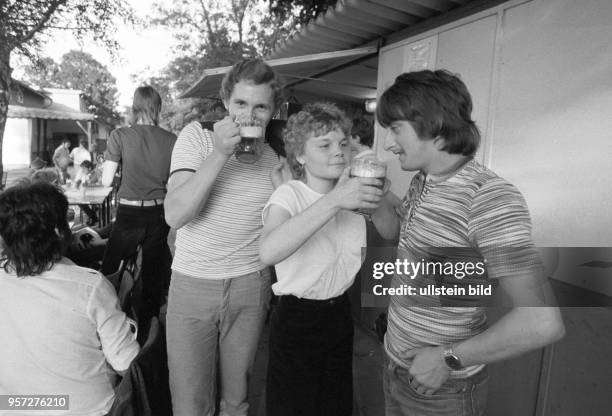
column 251, row 140
column 368, row 168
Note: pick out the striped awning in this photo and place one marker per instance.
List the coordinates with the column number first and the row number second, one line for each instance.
column 352, row 23
column 324, row 58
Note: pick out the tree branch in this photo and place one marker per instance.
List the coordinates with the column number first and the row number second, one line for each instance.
column 44, row 19
column 206, row 18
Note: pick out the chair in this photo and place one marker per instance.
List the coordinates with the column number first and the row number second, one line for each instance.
column 144, row 389
column 128, row 284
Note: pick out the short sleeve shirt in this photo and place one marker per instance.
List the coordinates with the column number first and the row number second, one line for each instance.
column 144, row 152
column 325, row 265
column 222, row 241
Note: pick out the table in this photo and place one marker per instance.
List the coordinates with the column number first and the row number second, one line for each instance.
column 99, row 197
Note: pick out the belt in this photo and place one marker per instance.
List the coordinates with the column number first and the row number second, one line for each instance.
column 294, row 300
column 142, row 203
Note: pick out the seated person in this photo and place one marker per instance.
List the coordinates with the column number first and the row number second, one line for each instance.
column 62, row 329
column 48, row 175
column 37, row 164
column 87, row 176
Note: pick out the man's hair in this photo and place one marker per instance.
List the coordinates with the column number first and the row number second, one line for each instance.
column 315, row 120
column 66, row 140
column 437, row 104
column 38, row 163
column 87, row 165
column 254, row 71
column 364, row 129
column 33, row 227
column 146, row 104
column 84, row 142
column 217, row 104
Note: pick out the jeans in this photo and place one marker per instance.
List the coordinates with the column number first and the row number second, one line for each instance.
column 456, row 397
column 209, row 321
column 144, row 226
column 310, row 365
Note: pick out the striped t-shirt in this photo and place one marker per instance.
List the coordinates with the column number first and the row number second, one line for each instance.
column 473, row 209
column 222, row 241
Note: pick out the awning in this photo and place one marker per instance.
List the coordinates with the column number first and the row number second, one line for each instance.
column 55, row 111
column 302, row 69
column 335, row 56
column 352, row 23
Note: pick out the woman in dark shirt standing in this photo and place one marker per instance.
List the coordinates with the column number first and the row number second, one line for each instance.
column 144, row 151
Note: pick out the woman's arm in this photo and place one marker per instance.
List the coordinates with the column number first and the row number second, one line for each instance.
column 283, row 234
column 114, row 329
column 109, row 168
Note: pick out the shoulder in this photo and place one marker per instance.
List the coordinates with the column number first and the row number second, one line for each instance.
column 160, row 131
column 290, row 187
column 494, row 188
column 68, row 271
column 120, row 133
column 194, row 131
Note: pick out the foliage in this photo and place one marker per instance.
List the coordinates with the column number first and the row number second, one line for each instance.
column 77, row 70
column 26, row 24
column 217, row 33
column 306, row 9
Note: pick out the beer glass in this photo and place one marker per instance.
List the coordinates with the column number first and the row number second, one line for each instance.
column 366, row 165
column 250, row 148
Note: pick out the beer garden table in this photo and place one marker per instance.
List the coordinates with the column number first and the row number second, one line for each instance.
column 99, row 197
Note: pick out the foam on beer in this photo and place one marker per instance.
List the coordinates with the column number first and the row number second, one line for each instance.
column 370, row 168
column 251, row 131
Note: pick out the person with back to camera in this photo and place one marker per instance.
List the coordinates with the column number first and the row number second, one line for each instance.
column 63, row 332
column 314, row 239
column 220, row 289
column 436, row 354
column 144, row 150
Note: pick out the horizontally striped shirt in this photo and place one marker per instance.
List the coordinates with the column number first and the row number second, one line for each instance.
column 222, row 241
column 474, row 209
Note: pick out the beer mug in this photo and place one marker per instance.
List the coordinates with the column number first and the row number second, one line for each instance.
column 250, row 148
column 367, row 165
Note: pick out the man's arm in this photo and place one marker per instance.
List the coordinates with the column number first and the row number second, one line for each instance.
column 521, row 330
column 385, row 218
column 500, row 225
column 188, row 191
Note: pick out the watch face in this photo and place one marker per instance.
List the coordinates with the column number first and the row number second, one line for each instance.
column 453, row 362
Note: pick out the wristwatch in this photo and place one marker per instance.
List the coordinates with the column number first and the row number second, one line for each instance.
column 451, row 360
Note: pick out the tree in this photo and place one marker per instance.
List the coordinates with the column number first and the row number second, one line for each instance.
column 219, row 33
column 303, row 10
column 26, row 24
column 77, row 70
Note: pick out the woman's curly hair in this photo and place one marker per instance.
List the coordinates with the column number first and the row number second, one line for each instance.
column 33, row 227
column 316, row 119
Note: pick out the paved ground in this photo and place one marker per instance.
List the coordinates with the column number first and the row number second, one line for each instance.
column 367, row 376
